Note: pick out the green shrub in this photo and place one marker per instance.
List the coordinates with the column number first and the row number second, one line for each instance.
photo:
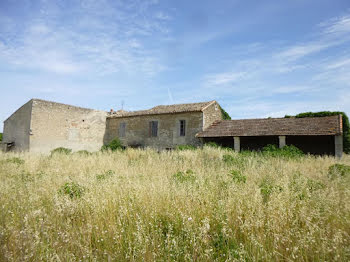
column 287, row 151
column 212, row 144
column 14, row 160
column 346, row 125
column 61, row 150
column 114, row 145
column 267, row 187
column 105, row 175
column 72, row 189
column 237, row 176
column 224, row 114
column 83, row 153
column 0, row 137
column 183, row 177
column 185, row 147
column 338, row 170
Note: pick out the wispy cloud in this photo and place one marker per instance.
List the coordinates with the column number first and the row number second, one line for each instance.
column 102, row 38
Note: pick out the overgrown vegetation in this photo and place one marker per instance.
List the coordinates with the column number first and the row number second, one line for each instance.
column 72, row 189
column 286, row 151
column 224, row 114
column 338, row 170
column 114, row 145
column 346, row 124
column 185, row 147
column 208, row 204
column 61, row 150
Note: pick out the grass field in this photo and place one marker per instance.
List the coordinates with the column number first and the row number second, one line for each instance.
column 203, row 205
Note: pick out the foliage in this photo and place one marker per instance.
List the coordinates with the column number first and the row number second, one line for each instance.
column 114, row 145
column 286, row 151
column 346, row 124
column 72, row 189
column 0, row 137
column 13, row 160
column 244, row 208
column 83, row 153
column 61, row 150
column 224, row 114
column 237, row 176
column 185, row 147
column 183, row 177
column 212, row 144
column 105, row 175
column 338, row 170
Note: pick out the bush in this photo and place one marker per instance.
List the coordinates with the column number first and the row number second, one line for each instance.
column 14, row 160
column 182, row 177
column 237, row 176
column 212, row 144
column 114, row 145
column 72, row 189
column 83, row 153
column 346, row 125
column 185, row 147
column 0, row 137
column 105, row 175
column 338, row 170
column 286, row 151
column 61, row 150
column 224, row 114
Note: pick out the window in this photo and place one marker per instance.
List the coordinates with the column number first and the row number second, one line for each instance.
column 182, row 127
column 122, row 128
column 153, row 128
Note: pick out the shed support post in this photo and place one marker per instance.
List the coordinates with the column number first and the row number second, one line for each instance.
column 338, row 146
column 282, row 141
column 237, row 143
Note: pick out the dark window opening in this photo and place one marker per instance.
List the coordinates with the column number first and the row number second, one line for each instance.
column 182, row 127
column 122, row 128
column 153, row 128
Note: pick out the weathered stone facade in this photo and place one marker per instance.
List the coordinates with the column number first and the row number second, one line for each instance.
column 58, row 125
column 137, row 127
column 40, row 126
column 17, row 127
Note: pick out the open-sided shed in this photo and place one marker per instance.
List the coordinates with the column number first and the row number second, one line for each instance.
column 314, row 135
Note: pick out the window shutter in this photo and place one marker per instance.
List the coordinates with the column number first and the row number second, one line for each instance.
column 150, row 129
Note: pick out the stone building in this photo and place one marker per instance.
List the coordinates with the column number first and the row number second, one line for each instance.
column 162, row 127
column 40, row 126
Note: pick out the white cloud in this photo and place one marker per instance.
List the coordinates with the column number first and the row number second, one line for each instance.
column 104, row 37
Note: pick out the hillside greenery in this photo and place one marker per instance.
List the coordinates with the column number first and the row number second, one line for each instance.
column 207, row 204
column 346, row 125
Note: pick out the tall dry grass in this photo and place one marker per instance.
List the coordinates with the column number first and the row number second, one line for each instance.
column 172, row 206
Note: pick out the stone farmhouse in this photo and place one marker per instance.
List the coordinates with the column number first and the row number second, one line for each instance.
column 40, row 126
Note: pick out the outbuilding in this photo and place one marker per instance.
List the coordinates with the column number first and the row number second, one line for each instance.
column 314, row 135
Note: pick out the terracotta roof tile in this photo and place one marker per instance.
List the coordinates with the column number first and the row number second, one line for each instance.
column 330, row 125
column 164, row 109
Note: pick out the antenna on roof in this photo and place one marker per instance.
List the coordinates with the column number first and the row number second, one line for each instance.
column 122, row 104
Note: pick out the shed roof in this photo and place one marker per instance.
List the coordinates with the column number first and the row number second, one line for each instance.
column 164, row 109
column 329, row 125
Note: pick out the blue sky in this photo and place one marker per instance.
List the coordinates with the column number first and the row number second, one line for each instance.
column 256, row 58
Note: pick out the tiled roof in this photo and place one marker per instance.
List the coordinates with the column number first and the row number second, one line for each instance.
column 164, row 109
column 330, row 125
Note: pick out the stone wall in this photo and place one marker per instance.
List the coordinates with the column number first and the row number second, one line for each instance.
column 17, row 128
column 211, row 114
column 137, row 130
column 59, row 125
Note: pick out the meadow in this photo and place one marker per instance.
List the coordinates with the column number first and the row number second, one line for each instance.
column 208, row 204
